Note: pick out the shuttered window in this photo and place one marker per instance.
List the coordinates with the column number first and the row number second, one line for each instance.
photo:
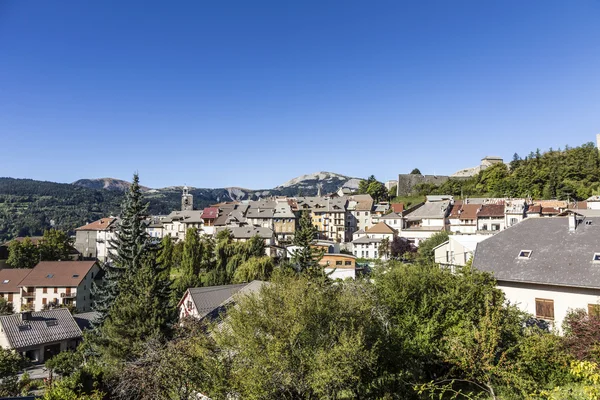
column 544, row 309
column 594, row 310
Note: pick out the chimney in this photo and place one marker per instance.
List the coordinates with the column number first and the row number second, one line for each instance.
column 25, row 316
column 572, row 222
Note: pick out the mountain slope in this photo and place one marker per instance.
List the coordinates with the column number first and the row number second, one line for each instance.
column 105, row 183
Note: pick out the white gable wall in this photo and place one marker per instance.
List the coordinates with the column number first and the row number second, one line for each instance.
column 565, row 298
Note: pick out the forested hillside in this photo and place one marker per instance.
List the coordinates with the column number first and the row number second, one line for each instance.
column 572, row 173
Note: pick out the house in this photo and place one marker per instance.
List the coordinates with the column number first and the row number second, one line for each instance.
column 245, row 233
column 422, row 222
column 514, row 211
column 393, row 219
column 457, row 250
column 547, row 266
column 92, row 241
column 328, row 216
column 593, row 203
column 40, row 335
column 177, row 223
column 379, row 210
column 284, row 222
column 463, row 217
column 209, row 216
column 154, row 226
column 339, row 266
column 366, row 245
column 60, row 283
column 9, row 285
column 358, row 212
column 210, row 302
column 491, row 218
column 398, row 208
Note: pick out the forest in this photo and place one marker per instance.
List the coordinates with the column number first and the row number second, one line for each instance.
column 569, row 174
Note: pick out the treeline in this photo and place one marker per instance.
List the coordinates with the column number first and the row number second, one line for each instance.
column 572, row 173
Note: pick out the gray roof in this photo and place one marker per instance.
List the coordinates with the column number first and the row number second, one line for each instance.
column 42, row 327
column 247, row 232
column 260, row 213
column 365, row 240
column 558, row 256
column 84, row 320
column 187, row 216
column 436, row 209
column 209, row 301
column 391, row 215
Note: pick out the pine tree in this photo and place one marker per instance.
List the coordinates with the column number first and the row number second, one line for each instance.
column 131, row 244
column 306, row 257
column 191, row 259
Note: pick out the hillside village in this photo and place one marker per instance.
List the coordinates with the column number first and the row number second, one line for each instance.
column 543, row 255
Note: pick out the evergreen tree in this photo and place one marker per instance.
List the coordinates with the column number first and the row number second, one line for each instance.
column 190, row 263
column 131, row 245
column 165, row 257
column 306, row 257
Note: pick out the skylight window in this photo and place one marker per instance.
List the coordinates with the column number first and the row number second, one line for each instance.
column 52, row 322
column 76, row 276
column 6, row 281
column 24, row 327
column 50, row 276
column 525, row 254
column 596, row 259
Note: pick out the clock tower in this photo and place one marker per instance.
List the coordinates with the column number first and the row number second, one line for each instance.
column 187, row 200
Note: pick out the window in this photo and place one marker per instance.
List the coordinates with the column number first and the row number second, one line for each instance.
column 50, row 276
column 525, row 254
column 544, row 309
column 6, row 281
column 594, row 310
column 347, row 262
column 484, row 227
column 10, row 297
column 596, row 259
column 45, row 290
column 513, row 221
column 338, row 263
column 44, row 301
column 55, row 290
column 495, row 227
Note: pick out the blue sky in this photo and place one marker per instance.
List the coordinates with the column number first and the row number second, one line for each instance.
column 253, row 93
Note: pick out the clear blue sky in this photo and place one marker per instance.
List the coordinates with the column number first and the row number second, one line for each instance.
column 253, row 93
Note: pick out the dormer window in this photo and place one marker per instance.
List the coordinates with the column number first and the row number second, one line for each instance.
column 596, row 259
column 525, row 254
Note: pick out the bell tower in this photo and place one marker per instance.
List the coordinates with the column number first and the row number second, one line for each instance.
column 187, row 200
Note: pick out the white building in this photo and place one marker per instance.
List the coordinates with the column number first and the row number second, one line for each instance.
column 547, row 266
column 457, row 250
column 59, row 283
column 358, row 212
column 366, row 245
column 425, row 221
column 93, row 240
column 10, row 278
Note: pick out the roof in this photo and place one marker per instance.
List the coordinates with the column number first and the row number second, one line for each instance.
column 366, row 239
column 430, row 210
column 534, row 209
column 391, row 215
column 42, row 327
column 397, row 207
column 186, row 216
column 247, row 232
column 381, row 227
column 10, row 279
column 491, row 210
column 469, row 211
column 469, row 242
column 57, row 273
column 34, row 239
column 211, row 299
column 84, row 320
column 210, row 213
column 441, row 197
column 558, row 256
column 102, row 224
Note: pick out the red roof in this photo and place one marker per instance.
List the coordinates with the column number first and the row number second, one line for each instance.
column 210, row 213
column 57, row 273
column 491, row 210
column 397, row 207
column 469, row 211
column 101, row 225
column 11, row 277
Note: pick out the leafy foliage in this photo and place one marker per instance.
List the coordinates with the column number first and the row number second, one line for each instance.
column 23, row 254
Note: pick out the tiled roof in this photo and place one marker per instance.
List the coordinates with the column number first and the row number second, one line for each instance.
column 210, row 213
column 381, row 227
column 101, row 225
column 491, row 210
column 398, row 207
column 85, row 319
column 34, row 239
column 366, row 239
column 42, row 327
column 558, row 256
column 469, row 211
column 436, row 209
column 208, row 300
column 10, row 278
column 57, row 273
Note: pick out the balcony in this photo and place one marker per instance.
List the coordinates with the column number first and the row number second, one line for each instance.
column 68, row 295
column 28, row 295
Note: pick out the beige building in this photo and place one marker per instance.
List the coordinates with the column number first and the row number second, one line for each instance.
column 59, row 283
column 10, row 278
column 92, row 241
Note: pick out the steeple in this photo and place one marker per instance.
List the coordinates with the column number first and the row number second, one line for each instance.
column 187, row 200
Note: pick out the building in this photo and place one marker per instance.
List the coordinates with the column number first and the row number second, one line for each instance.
column 514, row 211
column 358, row 213
column 212, row 301
column 593, row 203
column 187, row 200
column 463, row 218
column 366, row 245
column 491, row 218
column 423, row 222
column 339, row 266
column 393, row 219
column 66, row 283
column 4, row 246
column 547, row 266
column 284, row 222
column 177, row 223
column 92, row 241
column 245, row 233
column 457, row 250
column 9, row 285
column 40, row 335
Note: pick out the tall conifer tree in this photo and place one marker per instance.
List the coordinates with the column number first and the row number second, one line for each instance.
column 306, row 257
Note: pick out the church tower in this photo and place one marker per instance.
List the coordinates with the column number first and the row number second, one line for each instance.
column 187, row 200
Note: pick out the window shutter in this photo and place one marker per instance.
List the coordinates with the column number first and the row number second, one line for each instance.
column 544, row 309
